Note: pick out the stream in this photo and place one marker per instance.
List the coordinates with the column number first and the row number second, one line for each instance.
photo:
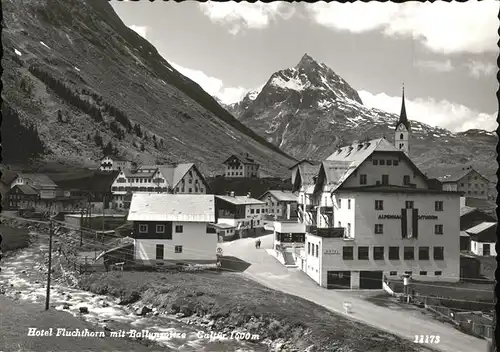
column 23, row 278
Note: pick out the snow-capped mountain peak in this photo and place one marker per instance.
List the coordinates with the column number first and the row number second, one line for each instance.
column 305, row 109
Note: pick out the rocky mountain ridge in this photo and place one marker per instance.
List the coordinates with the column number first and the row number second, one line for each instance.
column 309, row 110
column 87, row 85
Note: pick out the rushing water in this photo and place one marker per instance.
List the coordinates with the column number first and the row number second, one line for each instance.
column 24, row 278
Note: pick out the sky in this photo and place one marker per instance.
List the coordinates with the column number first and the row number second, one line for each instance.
column 445, row 53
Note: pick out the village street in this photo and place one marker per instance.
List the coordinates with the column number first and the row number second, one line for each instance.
column 266, row 270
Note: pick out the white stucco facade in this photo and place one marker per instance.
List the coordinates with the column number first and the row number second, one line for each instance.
column 483, row 248
column 359, row 217
column 194, row 241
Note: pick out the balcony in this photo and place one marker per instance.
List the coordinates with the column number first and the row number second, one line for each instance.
column 329, row 232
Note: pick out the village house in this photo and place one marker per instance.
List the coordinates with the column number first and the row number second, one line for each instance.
column 40, row 193
column 113, row 164
column 6, row 180
column 369, row 212
column 175, row 179
column 295, row 168
column 243, row 212
column 483, row 238
column 468, row 181
column 279, row 203
column 470, row 217
column 173, row 229
column 241, row 166
column 225, row 232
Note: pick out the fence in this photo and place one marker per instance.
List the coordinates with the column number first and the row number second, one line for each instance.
column 475, row 323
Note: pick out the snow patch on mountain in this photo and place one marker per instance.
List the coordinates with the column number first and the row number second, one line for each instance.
column 45, row 45
column 18, row 53
column 291, row 83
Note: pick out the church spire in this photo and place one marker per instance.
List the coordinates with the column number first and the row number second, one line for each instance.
column 403, row 119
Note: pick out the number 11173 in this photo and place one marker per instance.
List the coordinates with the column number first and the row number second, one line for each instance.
column 426, row 339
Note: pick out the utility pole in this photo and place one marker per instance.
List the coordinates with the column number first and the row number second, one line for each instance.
column 47, row 297
column 103, row 205
column 81, row 227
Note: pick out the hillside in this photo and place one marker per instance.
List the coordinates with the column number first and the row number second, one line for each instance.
column 79, row 84
column 308, row 110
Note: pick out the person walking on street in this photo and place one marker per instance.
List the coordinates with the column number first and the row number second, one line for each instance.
column 258, row 244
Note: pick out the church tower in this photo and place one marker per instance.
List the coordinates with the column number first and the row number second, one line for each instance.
column 402, row 130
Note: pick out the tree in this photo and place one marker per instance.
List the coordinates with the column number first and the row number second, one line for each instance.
column 108, row 149
column 59, row 116
column 143, row 148
column 98, row 139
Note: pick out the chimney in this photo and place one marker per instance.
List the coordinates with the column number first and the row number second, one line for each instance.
column 231, row 194
column 249, row 195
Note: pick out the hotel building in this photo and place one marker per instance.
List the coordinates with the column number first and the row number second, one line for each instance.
column 369, row 212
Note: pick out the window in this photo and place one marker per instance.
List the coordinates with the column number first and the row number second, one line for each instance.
column 190, row 190
column 381, row 162
column 406, row 180
column 375, row 162
column 438, row 253
column 348, row 230
column 393, row 273
column 317, row 251
column 348, row 204
column 159, row 251
column 395, row 162
column 339, row 203
column 362, row 253
column 393, row 253
column 178, row 249
column 486, row 249
column 408, row 273
column 379, row 228
column 438, row 273
column 389, row 162
column 143, row 228
column 308, row 247
column 251, row 211
column 423, row 253
column 409, row 253
column 348, row 253
column 362, row 179
column 438, row 205
column 401, row 136
column 385, row 179
column 378, row 253
column 179, row 228
column 257, row 211
column 409, row 204
column 379, row 205
column 438, row 229
column 160, row 228
column 424, row 273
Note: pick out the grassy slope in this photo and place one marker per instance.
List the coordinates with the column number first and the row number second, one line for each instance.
column 233, row 300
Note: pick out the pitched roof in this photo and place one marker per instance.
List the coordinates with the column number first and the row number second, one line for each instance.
column 174, row 173
column 28, row 190
column 343, row 162
column 97, row 181
column 454, row 175
column 484, row 232
column 39, row 180
column 282, row 196
column 245, row 159
column 129, row 173
column 240, row 200
column 466, row 210
column 172, row 207
column 308, row 175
